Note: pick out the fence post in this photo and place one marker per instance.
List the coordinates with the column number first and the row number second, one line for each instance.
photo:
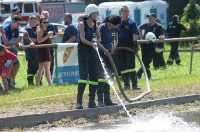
column 56, row 63
column 191, row 57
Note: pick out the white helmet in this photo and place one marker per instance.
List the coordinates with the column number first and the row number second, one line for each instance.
column 151, row 36
column 90, row 9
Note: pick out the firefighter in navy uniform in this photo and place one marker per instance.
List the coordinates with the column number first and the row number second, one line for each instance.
column 32, row 62
column 174, row 31
column 127, row 38
column 149, row 49
column 158, row 58
column 109, row 34
column 87, row 56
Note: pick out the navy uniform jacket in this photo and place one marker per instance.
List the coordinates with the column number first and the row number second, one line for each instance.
column 174, row 29
column 126, row 30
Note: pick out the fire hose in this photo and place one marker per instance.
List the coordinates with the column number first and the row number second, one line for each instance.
column 117, row 75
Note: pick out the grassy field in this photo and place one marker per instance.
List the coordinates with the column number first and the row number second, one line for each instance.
column 172, row 81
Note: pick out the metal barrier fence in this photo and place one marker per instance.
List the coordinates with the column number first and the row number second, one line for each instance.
column 190, row 39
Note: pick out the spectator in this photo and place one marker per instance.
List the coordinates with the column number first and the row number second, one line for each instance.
column 149, row 49
column 5, row 70
column 174, row 31
column 43, row 54
column 128, row 38
column 109, row 33
column 158, row 59
column 12, row 34
column 32, row 63
column 70, row 33
column 4, row 40
column 87, row 56
column 16, row 11
column 50, row 27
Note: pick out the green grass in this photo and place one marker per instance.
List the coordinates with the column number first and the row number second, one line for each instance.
column 162, row 82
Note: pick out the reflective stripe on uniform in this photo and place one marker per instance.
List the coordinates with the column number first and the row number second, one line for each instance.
column 127, row 71
column 102, row 80
column 86, row 81
column 30, row 75
column 93, row 83
column 82, row 81
column 159, row 50
column 94, row 34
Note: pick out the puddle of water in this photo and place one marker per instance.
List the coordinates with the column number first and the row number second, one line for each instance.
column 156, row 122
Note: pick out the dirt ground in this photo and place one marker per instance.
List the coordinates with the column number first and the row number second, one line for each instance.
column 63, row 104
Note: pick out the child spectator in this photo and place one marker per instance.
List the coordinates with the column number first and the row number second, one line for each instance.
column 5, row 67
column 2, row 39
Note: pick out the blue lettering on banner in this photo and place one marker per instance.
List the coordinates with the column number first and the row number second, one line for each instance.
column 68, row 74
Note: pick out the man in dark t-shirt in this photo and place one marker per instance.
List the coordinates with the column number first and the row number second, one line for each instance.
column 70, row 33
column 174, row 31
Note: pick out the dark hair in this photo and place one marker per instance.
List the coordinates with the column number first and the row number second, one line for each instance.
column 41, row 20
column 16, row 18
column 175, row 18
column 68, row 15
column 2, row 48
column 113, row 19
column 124, row 6
column 85, row 17
column 158, row 20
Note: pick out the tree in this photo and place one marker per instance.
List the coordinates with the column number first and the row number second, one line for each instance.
column 191, row 12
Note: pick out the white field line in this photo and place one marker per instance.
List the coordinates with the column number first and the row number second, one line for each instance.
column 45, row 97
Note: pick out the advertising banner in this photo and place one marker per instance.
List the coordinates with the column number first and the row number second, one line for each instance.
column 67, row 60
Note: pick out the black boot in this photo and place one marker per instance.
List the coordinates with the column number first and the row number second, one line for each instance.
column 30, row 80
column 125, row 78
column 92, row 92
column 107, row 100
column 1, row 88
column 139, row 73
column 81, row 88
column 133, row 77
column 100, row 94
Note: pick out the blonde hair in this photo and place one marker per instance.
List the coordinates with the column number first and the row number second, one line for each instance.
column 33, row 17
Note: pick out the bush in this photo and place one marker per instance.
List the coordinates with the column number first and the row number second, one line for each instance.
column 191, row 12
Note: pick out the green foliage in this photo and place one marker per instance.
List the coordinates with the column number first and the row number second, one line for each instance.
column 191, row 12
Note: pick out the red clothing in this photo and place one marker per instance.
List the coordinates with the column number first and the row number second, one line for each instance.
column 6, row 72
column 7, row 56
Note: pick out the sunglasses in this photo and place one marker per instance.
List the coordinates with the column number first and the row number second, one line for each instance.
column 17, row 19
column 45, row 22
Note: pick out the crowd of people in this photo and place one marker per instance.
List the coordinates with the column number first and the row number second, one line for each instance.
column 114, row 31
